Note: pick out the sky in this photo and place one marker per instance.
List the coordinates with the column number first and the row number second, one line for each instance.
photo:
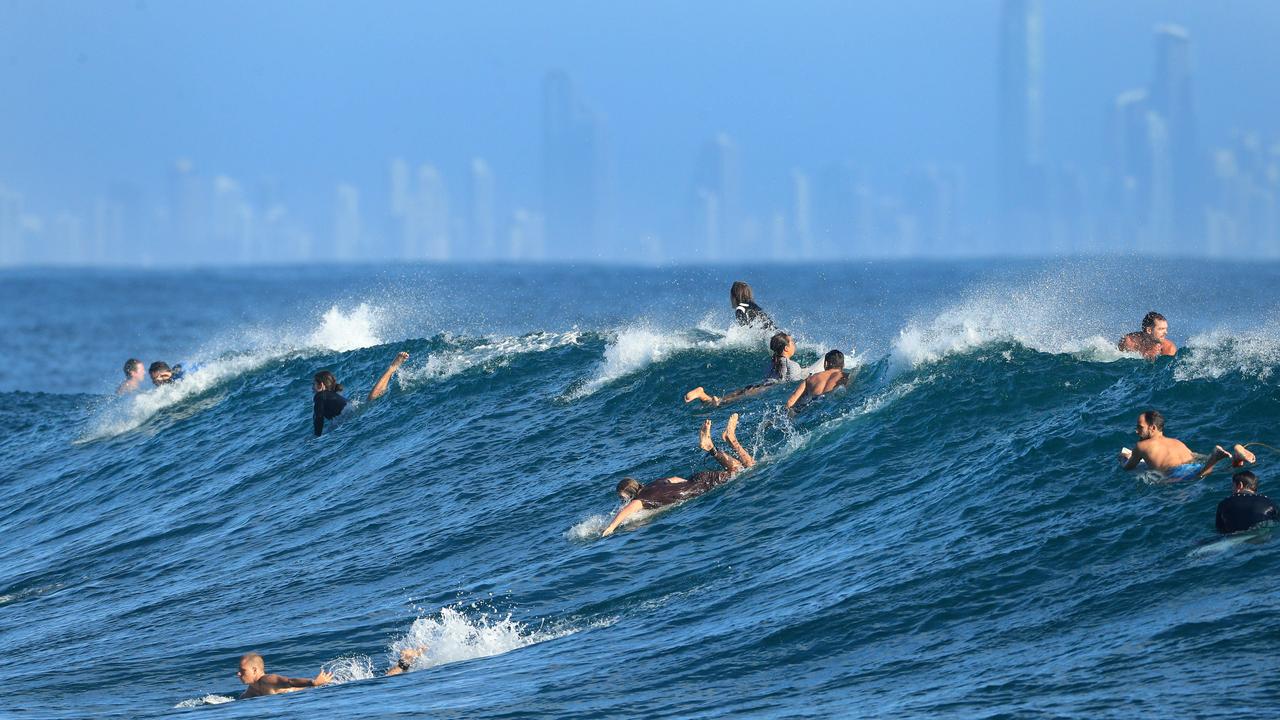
column 316, row 94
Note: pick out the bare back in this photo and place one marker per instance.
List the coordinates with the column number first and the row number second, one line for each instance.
column 1164, row 453
column 824, row 382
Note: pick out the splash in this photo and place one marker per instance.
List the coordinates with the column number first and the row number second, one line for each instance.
column 1210, row 356
column 341, row 332
column 204, row 700
column 492, row 353
column 591, row 527
column 452, row 636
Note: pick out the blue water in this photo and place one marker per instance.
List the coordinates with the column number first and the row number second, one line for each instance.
column 950, row 537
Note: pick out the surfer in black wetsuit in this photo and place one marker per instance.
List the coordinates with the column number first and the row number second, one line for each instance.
column 780, row 369
column 329, row 401
column 1245, row 508
column 671, row 490
column 745, row 309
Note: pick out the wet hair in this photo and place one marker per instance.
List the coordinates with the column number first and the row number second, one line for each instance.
column 778, row 344
column 628, row 485
column 1247, row 479
column 740, row 293
column 1150, row 319
column 1154, row 419
column 833, row 359
column 131, row 365
column 158, row 366
column 326, row 379
column 252, row 657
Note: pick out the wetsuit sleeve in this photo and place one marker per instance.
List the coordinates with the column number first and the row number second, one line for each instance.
column 1218, row 521
column 318, row 415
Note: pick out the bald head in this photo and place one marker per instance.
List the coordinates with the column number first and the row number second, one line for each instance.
column 252, row 667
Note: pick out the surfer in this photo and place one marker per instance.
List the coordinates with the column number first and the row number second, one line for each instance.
column 253, row 672
column 1150, row 341
column 133, row 374
column 407, row 656
column 820, row 383
column 162, row 374
column 745, row 309
column 1172, row 457
column 671, row 490
column 328, row 402
column 1245, row 507
column 780, row 369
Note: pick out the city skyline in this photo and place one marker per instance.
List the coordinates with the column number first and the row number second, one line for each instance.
column 1156, row 185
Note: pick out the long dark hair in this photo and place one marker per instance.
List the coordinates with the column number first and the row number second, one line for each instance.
column 740, row 293
column 778, row 344
column 328, row 381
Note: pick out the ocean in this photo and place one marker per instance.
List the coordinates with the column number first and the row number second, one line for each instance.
column 950, row 536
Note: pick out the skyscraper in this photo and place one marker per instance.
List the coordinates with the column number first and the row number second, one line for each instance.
column 482, row 212
column 1021, row 138
column 347, row 233
column 1171, row 98
column 715, row 219
column 573, row 173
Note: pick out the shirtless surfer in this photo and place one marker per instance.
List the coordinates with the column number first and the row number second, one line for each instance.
column 1150, row 341
column 820, row 383
column 671, row 490
column 253, row 673
column 1172, row 457
column 134, row 372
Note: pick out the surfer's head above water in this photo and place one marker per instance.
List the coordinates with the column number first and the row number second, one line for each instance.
column 627, row 488
column 325, row 381
column 1244, row 481
column 740, row 293
column 1150, row 424
column 833, row 360
column 162, row 374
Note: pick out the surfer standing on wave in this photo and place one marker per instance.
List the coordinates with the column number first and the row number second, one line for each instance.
column 253, row 672
column 832, row 376
column 1150, row 341
column 1245, row 508
column 329, row 402
column 1172, row 457
column 745, row 309
column 671, row 490
column 780, row 369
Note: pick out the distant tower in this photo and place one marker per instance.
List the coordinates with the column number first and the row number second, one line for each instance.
column 347, row 232
column 1171, row 98
column 801, row 215
column 715, row 198
column 482, row 210
column 1021, row 139
column 573, row 173
column 429, row 216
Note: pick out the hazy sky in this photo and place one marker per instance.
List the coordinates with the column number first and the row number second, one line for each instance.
column 315, row 93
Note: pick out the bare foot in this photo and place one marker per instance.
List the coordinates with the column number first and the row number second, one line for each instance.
column 730, row 429
column 1241, row 455
column 697, row 394
column 704, row 437
column 1218, row 454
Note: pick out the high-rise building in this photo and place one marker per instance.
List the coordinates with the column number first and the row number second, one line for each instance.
column 187, row 238
column 1021, row 126
column 428, row 218
column 715, row 211
column 231, row 234
column 801, row 215
column 525, row 239
column 482, row 212
column 347, row 232
column 1171, row 98
column 835, row 211
column 574, row 200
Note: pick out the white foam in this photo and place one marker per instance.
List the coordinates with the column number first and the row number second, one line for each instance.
column 591, row 527
column 494, row 352
column 338, row 332
column 350, row 668
column 204, row 700
column 1211, row 355
column 1044, row 316
column 452, row 636
column 635, row 347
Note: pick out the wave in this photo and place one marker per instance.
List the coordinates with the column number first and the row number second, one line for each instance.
column 1213, row 355
column 492, row 353
column 338, row 331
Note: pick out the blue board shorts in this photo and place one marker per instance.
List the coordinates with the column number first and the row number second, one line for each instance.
column 1187, row 471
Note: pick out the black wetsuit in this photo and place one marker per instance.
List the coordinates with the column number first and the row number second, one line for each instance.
column 749, row 313
column 328, row 405
column 664, row 492
column 1243, row 510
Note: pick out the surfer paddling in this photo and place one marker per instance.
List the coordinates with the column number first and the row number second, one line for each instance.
column 671, row 490
column 780, row 369
column 133, row 375
column 328, row 401
column 820, row 383
column 1172, row 457
column 745, row 310
column 1150, row 341
column 406, row 660
column 253, row 673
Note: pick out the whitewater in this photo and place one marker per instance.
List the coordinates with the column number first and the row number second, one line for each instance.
column 951, row 536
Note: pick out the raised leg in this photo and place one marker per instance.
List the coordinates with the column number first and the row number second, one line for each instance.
column 704, row 441
column 731, row 436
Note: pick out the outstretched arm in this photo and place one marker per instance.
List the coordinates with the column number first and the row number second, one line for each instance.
column 381, row 388
column 1132, row 460
column 627, row 511
column 279, row 682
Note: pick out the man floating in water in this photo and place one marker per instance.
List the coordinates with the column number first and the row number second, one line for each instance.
column 1245, row 508
column 133, row 374
column 1150, row 341
column 253, row 672
column 671, row 490
column 1172, row 457
column 821, row 383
